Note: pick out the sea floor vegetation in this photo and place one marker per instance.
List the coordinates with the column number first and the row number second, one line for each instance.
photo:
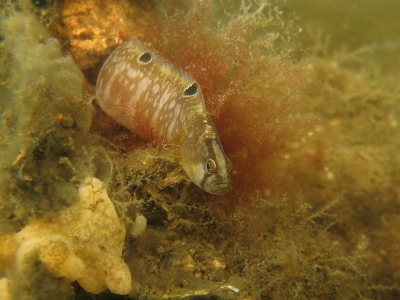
column 88, row 210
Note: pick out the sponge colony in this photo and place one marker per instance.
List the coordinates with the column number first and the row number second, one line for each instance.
column 84, row 243
column 98, row 237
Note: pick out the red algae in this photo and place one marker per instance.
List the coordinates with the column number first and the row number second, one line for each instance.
column 251, row 89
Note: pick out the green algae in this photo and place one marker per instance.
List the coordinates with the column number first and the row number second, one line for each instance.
column 44, row 117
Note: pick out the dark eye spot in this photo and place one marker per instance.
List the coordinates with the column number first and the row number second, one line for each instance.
column 210, row 166
column 145, row 57
column 191, row 90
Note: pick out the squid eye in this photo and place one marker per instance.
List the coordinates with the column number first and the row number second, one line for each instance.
column 210, row 166
column 228, row 164
column 191, row 90
column 145, row 57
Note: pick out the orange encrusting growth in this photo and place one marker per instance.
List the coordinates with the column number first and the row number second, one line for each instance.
column 95, row 26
